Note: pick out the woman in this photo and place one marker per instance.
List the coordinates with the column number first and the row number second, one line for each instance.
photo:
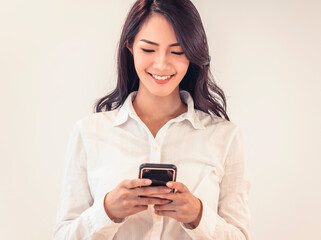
column 165, row 109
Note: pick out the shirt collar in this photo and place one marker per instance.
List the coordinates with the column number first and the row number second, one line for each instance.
column 127, row 109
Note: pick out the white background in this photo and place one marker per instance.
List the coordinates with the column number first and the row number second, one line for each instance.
column 58, row 57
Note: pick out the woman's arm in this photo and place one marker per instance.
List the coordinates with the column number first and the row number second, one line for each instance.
column 232, row 218
column 79, row 216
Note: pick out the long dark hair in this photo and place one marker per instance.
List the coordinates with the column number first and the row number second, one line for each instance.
column 189, row 30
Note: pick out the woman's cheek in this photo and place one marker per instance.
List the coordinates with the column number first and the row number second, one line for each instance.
column 142, row 61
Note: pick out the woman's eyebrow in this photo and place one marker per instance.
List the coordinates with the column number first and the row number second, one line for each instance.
column 153, row 43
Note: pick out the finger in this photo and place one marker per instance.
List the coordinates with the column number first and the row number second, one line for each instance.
column 169, row 213
column 134, row 183
column 170, row 196
column 165, row 207
column 136, row 209
column 151, row 201
column 140, row 208
column 180, row 187
column 147, row 191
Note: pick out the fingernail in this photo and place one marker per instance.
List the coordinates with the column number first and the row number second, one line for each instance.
column 169, row 184
column 148, row 181
column 167, row 190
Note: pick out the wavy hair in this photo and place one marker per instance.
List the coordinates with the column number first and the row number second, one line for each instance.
column 190, row 34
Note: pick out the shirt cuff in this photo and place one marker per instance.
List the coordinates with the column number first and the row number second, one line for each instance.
column 206, row 227
column 99, row 220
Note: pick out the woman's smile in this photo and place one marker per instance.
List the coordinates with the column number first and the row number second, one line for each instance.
column 161, row 79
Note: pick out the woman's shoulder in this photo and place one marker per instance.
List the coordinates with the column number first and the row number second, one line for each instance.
column 97, row 119
column 216, row 123
column 213, row 120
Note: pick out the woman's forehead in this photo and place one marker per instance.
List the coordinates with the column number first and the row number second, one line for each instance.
column 158, row 30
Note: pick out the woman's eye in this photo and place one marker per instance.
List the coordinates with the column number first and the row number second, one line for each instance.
column 178, row 53
column 147, row 50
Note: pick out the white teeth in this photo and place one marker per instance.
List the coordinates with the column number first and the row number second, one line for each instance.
column 161, row 78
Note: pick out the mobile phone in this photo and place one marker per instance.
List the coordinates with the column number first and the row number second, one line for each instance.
column 159, row 173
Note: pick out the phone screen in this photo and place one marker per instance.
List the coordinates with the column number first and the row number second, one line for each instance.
column 158, row 177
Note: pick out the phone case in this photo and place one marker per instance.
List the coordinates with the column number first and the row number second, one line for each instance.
column 158, row 166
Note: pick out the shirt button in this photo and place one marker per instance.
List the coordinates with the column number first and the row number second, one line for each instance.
column 155, row 148
column 158, row 217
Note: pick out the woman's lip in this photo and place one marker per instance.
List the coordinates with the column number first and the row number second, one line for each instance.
column 162, row 81
column 161, row 75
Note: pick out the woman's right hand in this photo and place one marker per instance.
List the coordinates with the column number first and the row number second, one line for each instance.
column 126, row 200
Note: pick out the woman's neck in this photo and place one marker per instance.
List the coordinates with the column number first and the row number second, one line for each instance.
column 155, row 108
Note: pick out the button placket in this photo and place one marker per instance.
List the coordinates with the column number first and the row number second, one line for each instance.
column 157, row 227
column 155, row 153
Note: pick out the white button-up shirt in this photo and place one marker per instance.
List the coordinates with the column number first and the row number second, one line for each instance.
column 107, row 147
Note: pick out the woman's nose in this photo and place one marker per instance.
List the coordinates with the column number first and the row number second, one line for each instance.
column 162, row 61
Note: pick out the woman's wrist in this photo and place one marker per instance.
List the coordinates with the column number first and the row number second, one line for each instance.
column 195, row 223
column 111, row 217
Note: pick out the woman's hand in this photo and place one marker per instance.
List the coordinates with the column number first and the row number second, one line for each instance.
column 126, row 198
column 184, row 206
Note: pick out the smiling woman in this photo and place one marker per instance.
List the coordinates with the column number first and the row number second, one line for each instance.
column 164, row 92
column 181, row 31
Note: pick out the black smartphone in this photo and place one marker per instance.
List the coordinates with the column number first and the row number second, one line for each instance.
column 159, row 173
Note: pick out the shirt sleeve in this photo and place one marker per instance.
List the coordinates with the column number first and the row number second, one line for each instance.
column 231, row 221
column 80, row 216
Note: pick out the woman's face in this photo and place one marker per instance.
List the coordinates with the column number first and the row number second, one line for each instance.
column 159, row 60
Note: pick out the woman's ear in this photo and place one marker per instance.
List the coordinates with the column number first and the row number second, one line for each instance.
column 129, row 47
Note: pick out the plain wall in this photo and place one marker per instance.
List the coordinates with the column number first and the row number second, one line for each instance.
column 58, row 57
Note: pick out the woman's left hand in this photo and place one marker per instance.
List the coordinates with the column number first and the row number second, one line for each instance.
column 185, row 207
